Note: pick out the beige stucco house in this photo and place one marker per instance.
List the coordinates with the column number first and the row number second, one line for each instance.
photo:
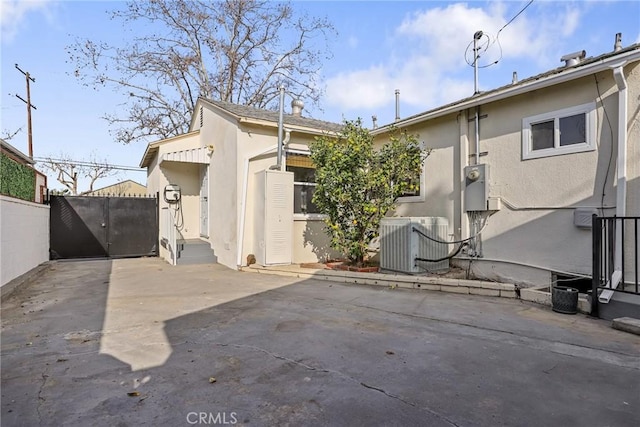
column 552, row 150
column 216, row 169
column 123, row 188
column 523, row 178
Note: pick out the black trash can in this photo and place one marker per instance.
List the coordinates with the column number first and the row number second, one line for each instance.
column 564, row 300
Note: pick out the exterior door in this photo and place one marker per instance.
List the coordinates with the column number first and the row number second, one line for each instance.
column 204, row 201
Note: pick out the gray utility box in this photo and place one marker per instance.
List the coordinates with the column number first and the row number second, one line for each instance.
column 476, row 187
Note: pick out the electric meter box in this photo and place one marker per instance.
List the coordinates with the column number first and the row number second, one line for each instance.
column 476, row 187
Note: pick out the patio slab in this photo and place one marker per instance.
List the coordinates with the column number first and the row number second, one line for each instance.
column 139, row 342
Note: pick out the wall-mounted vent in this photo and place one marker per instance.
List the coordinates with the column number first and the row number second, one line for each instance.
column 201, row 117
column 400, row 245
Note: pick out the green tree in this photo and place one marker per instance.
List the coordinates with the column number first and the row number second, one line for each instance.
column 357, row 185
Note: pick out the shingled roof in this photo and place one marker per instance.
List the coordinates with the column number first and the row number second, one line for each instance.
column 244, row 111
column 521, row 86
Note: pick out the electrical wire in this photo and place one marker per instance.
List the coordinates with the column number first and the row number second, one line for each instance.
column 486, row 221
column 457, row 251
column 497, row 39
column 606, row 175
column 85, row 163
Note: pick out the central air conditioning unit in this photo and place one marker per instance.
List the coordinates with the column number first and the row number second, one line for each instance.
column 400, row 245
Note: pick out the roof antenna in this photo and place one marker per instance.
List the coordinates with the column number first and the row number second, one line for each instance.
column 477, row 36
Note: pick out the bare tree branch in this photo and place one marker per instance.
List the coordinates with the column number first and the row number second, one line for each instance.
column 238, row 51
column 70, row 171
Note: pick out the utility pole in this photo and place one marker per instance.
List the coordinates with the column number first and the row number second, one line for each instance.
column 29, row 106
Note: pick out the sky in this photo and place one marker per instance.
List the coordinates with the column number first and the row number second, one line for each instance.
column 417, row 47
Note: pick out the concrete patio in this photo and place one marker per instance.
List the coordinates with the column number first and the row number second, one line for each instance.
column 138, row 342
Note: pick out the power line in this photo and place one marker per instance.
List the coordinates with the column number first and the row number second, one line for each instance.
column 513, row 19
column 497, row 39
column 85, row 163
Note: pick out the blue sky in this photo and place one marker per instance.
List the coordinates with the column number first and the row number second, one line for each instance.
column 415, row 46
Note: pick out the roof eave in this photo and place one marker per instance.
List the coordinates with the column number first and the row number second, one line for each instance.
column 576, row 73
column 153, row 147
column 297, row 128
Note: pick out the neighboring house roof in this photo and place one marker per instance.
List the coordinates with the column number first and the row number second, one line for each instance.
column 15, row 153
column 128, row 186
column 241, row 112
column 558, row 75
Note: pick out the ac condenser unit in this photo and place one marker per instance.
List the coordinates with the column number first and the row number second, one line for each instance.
column 400, row 245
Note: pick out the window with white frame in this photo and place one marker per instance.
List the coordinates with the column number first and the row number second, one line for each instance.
column 570, row 130
column 415, row 193
column 304, row 182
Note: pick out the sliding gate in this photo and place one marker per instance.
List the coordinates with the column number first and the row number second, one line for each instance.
column 90, row 227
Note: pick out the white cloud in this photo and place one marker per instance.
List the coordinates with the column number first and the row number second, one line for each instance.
column 14, row 12
column 426, row 60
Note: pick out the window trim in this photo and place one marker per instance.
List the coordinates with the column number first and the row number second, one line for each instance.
column 589, row 110
column 299, row 216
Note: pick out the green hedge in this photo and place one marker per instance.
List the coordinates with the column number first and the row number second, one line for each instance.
column 17, row 180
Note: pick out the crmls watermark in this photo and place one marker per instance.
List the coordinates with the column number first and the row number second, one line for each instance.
column 212, row 418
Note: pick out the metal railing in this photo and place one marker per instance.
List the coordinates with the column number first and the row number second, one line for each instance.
column 615, row 258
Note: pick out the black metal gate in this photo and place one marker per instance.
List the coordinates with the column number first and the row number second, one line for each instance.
column 89, row 227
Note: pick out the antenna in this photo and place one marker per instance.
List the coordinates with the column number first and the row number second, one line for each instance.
column 477, row 36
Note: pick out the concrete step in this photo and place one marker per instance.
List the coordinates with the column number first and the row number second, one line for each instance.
column 627, row 324
column 195, row 251
column 620, row 305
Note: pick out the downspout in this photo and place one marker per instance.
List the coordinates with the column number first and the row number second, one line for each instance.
column 243, row 202
column 621, row 177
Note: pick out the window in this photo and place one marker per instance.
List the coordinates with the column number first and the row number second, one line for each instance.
column 304, row 183
column 416, row 194
column 571, row 130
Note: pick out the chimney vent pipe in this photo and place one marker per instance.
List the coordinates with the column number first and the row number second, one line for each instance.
column 397, row 104
column 618, row 44
column 296, row 107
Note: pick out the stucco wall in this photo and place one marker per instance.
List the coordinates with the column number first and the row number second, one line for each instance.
column 24, row 237
column 311, row 242
column 535, row 224
column 223, row 187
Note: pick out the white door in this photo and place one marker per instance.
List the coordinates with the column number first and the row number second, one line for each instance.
column 204, row 201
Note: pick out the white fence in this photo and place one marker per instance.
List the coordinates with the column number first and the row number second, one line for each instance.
column 24, row 237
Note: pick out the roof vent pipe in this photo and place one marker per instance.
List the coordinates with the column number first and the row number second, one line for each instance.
column 374, row 118
column 618, row 44
column 574, row 58
column 514, row 78
column 397, row 104
column 296, row 107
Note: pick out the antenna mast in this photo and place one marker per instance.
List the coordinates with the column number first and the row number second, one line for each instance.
column 477, row 36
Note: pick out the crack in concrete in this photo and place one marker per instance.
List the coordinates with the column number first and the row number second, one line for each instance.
column 340, row 374
column 40, row 398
